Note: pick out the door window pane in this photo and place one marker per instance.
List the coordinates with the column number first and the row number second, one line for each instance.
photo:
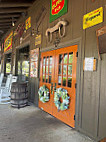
column 50, row 60
column 70, row 70
column 60, row 59
column 47, row 60
column 46, row 69
column 60, row 69
column 65, row 58
column 43, row 78
column 64, row 80
column 64, row 69
column 50, row 69
column 44, row 61
column 49, row 79
column 69, row 81
column 43, row 69
column 46, row 78
column 70, row 57
column 59, row 80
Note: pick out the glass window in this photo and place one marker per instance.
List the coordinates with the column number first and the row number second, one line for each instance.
column 70, row 70
column 8, row 67
column 59, row 80
column 47, row 60
column 60, row 59
column 69, row 81
column 64, row 80
column 50, row 69
column 64, row 69
column 44, row 61
column 60, row 69
column 49, row 79
column 46, row 78
column 70, row 58
column 65, row 58
column 50, row 60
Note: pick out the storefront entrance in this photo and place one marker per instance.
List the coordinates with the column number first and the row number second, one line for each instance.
column 23, row 63
column 58, row 70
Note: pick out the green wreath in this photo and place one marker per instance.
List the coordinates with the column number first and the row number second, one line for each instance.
column 44, row 94
column 61, row 93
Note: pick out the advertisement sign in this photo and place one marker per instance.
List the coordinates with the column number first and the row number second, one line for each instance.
column 57, row 8
column 34, row 54
column 28, row 23
column 8, row 42
column 93, row 18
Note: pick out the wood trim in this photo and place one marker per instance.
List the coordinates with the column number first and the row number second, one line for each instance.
column 12, row 10
column 8, row 4
column 62, row 45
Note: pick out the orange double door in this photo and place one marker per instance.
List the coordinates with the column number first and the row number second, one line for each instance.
column 58, row 70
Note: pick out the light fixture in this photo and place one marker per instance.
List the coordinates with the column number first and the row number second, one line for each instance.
column 13, row 24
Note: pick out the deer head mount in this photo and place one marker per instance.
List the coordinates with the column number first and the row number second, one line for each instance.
column 58, row 27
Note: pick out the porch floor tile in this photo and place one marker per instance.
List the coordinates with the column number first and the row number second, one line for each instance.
column 30, row 124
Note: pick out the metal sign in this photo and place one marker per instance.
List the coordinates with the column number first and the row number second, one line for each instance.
column 28, row 23
column 8, row 42
column 57, row 8
column 93, row 18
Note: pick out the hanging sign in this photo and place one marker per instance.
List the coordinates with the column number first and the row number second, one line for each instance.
column 28, row 23
column 57, row 8
column 37, row 40
column 34, row 54
column 93, row 18
column 8, row 42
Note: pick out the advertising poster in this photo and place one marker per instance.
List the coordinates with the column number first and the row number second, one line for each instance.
column 8, row 42
column 93, row 18
column 57, row 8
column 34, row 54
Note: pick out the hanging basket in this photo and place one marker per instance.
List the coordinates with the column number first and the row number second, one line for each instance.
column 44, row 94
column 61, row 93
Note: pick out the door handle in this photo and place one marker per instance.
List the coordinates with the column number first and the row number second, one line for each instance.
column 51, row 88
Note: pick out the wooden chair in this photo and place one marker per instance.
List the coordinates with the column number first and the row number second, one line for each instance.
column 1, row 78
column 5, row 91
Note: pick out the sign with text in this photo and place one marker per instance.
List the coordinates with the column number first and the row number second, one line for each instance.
column 57, row 8
column 8, row 42
column 37, row 40
column 93, row 18
column 28, row 23
column 90, row 64
column 34, row 55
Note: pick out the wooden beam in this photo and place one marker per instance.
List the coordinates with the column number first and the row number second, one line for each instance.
column 9, row 15
column 2, row 24
column 8, row 4
column 7, row 20
column 12, row 10
column 5, row 26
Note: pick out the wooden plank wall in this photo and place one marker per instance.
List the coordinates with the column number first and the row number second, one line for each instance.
column 91, row 97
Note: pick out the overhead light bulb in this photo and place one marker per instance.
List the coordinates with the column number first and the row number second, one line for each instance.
column 13, row 24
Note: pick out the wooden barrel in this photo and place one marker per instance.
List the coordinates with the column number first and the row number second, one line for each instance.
column 19, row 94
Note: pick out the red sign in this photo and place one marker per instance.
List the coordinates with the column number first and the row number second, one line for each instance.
column 57, row 6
